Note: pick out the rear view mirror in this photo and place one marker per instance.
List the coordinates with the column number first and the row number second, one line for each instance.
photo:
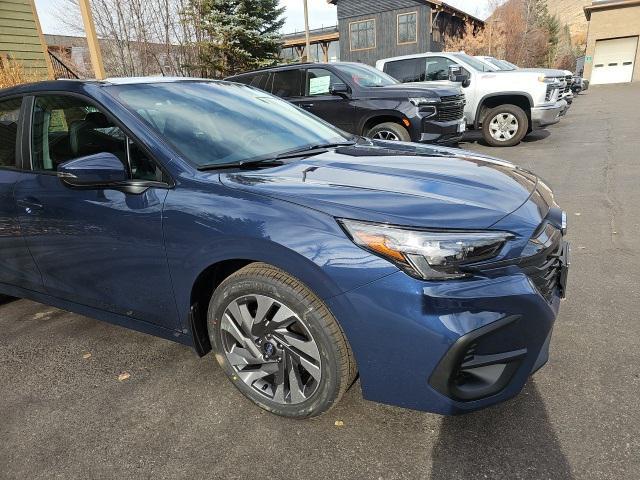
column 93, row 170
column 340, row 89
column 457, row 75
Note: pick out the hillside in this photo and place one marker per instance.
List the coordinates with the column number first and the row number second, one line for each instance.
column 571, row 13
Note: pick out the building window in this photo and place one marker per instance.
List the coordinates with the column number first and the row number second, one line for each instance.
column 362, row 35
column 407, row 28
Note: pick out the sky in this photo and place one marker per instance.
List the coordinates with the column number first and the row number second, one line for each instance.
column 320, row 13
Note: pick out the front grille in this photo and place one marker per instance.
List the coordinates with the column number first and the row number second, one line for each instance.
column 544, row 268
column 451, row 107
column 550, row 90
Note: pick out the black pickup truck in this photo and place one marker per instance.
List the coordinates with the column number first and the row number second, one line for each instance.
column 359, row 99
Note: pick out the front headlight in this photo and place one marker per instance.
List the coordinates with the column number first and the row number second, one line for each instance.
column 424, row 254
column 419, row 101
column 545, row 79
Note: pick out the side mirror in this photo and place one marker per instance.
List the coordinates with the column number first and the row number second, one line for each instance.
column 457, row 75
column 340, row 89
column 93, row 170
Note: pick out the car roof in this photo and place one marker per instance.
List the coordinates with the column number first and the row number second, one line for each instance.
column 290, row 66
column 416, row 55
column 75, row 85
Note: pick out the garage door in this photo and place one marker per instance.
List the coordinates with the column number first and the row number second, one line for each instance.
column 613, row 60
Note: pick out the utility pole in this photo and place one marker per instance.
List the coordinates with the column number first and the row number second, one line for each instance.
column 306, row 29
column 92, row 40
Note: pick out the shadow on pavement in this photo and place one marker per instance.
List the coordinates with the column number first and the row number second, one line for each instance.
column 475, row 136
column 537, row 135
column 512, row 440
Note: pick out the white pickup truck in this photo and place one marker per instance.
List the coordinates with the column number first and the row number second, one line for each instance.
column 505, row 105
column 565, row 77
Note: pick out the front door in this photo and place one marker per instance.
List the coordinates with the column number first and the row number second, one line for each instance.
column 99, row 247
column 319, row 100
column 17, row 268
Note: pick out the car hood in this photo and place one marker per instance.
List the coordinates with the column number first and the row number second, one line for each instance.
column 403, row 184
column 422, row 89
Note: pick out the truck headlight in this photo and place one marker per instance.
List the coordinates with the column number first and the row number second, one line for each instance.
column 430, row 255
column 419, row 101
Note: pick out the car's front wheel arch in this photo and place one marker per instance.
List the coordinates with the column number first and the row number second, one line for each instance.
column 212, row 275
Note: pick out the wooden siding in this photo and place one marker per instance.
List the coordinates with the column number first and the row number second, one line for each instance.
column 386, row 31
column 19, row 36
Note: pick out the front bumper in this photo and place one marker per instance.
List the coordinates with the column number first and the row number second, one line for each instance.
column 411, row 343
column 548, row 114
column 435, row 131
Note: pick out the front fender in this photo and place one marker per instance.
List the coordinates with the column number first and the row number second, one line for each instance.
column 208, row 223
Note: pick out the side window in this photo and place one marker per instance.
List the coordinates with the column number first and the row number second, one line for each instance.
column 246, row 79
column 287, row 83
column 409, row 70
column 259, row 80
column 66, row 127
column 320, row 81
column 9, row 114
column 438, row 68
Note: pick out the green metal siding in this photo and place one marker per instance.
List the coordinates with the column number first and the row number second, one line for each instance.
column 19, row 37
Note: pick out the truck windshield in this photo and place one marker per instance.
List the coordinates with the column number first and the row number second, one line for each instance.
column 211, row 123
column 474, row 63
column 366, row 76
column 500, row 64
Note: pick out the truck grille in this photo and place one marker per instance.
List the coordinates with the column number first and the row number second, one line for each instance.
column 451, row 108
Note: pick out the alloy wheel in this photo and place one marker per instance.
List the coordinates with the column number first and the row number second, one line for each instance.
column 270, row 349
column 503, row 127
column 386, row 135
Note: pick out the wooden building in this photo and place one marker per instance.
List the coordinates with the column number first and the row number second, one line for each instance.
column 370, row 30
column 21, row 38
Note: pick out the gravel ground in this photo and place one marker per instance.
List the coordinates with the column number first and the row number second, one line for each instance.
column 65, row 414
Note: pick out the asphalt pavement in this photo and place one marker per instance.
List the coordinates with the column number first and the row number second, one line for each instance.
column 84, row 399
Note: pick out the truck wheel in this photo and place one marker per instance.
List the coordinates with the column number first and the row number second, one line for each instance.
column 505, row 126
column 278, row 343
column 389, row 131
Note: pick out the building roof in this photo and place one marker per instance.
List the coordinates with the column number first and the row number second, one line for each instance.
column 442, row 6
column 599, row 5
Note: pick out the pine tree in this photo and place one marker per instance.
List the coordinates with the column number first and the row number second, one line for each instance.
column 235, row 35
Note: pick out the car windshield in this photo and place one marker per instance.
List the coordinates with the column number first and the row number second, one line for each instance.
column 474, row 63
column 212, row 123
column 366, row 76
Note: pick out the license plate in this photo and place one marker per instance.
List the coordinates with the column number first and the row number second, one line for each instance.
column 462, row 127
column 564, row 269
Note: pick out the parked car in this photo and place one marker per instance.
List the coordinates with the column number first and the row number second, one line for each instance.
column 579, row 85
column 221, row 217
column 506, row 106
column 362, row 100
column 564, row 77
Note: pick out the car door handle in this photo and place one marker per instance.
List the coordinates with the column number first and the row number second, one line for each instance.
column 307, row 105
column 29, row 204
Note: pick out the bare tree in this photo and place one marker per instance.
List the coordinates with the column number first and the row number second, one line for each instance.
column 139, row 37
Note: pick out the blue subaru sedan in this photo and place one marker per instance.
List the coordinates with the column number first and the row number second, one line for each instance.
column 221, row 217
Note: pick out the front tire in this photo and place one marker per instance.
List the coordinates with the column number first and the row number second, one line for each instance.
column 505, row 126
column 278, row 343
column 389, row 131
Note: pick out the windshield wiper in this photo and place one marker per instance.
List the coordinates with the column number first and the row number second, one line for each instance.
column 313, row 149
column 275, row 161
column 266, row 162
